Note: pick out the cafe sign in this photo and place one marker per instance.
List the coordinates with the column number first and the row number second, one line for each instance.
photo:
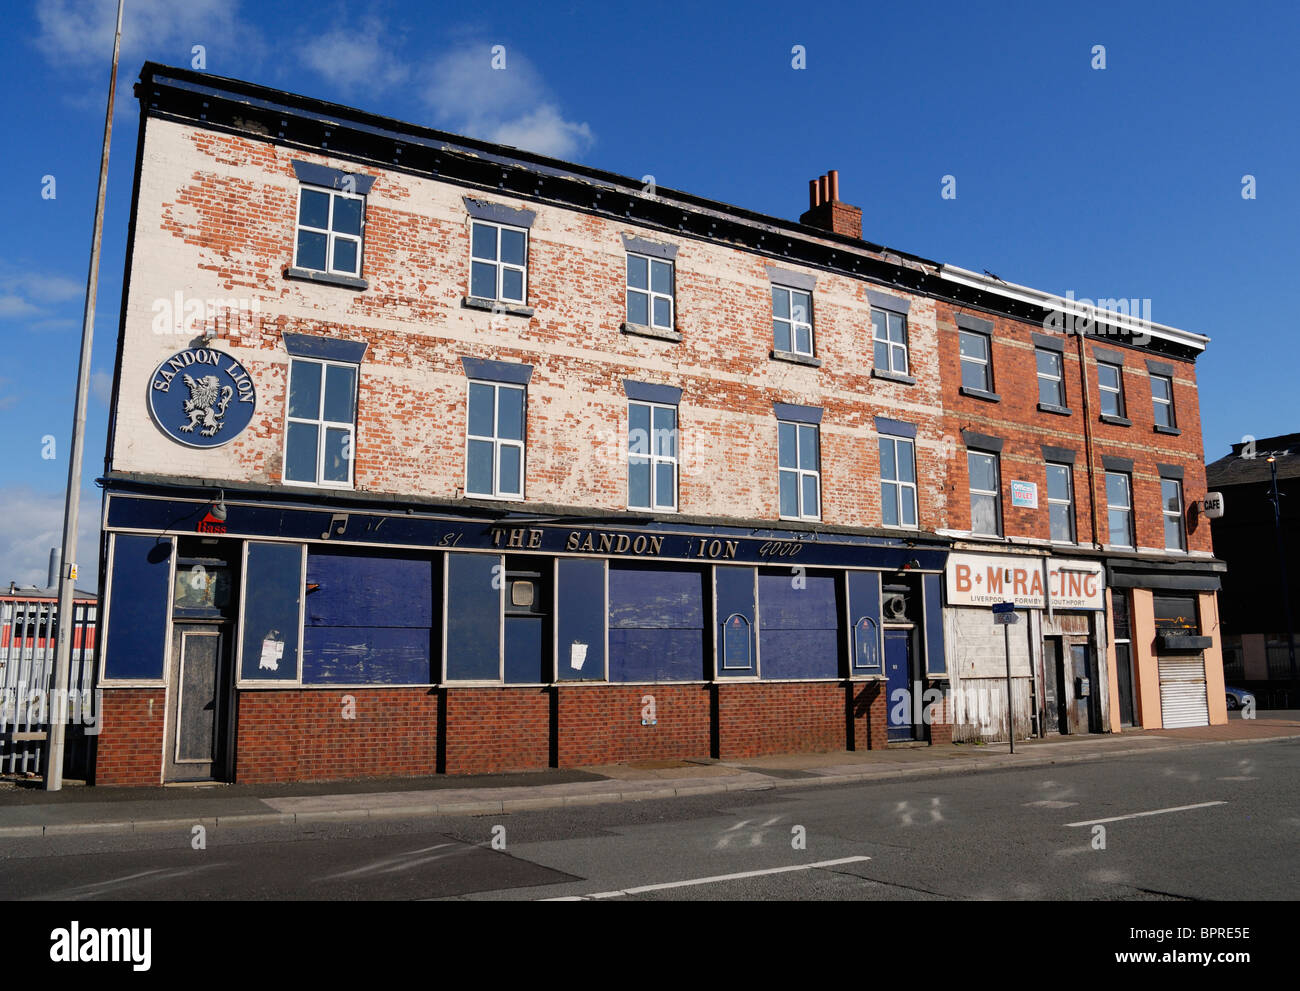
column 985, row 579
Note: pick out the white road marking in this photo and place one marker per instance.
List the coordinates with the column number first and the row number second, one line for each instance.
column 709, row 880
column 1139, row 815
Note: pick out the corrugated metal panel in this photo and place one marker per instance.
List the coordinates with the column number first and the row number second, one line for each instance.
column 1182, row 692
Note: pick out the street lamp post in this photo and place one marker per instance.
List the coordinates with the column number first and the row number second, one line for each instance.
column 53, row 752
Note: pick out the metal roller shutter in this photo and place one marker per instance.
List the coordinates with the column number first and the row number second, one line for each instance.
column 1182, row 692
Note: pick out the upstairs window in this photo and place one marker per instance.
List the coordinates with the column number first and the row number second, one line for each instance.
column 321, row 427
column 976, row 368
column 1162, row 400
column 1060, row 501
column 329, row 231
column 792, row 320
column 1171, row 506
column 652, row 456
column 1051, row 381
column 499, row 262
column 890, row 331
column 494, row 454
column 985, row 494
column 1119, row 511
column 1110, row 384
column 649, row 292
column 800, row 470
column 897, row 482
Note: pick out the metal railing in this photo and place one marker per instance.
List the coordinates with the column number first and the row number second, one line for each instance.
column 28, row 632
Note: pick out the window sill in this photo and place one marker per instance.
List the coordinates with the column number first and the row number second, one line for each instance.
column 326, row 278
column 496, row 306
column 991, row 397
column 1171, row 431
column 876, row 373
column 658, row 333
column 1119, row 421
column 1058, row 410
column 796, row 358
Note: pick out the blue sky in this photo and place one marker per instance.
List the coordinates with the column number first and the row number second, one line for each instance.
column 1117, row 182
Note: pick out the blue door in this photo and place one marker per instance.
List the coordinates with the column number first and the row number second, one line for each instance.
column 898, row 667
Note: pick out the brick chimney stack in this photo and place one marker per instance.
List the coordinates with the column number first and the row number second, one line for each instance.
column 827, row 212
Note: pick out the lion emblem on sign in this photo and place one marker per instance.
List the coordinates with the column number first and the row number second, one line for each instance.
column 206, row 405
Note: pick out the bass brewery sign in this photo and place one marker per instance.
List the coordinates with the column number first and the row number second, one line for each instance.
column 202, row 398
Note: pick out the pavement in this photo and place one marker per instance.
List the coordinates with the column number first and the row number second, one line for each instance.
column 28, row 811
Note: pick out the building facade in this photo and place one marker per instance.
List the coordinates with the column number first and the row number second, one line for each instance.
column 432, row 455
column 1259, row 539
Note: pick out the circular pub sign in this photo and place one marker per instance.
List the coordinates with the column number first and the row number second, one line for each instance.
column 202, row 398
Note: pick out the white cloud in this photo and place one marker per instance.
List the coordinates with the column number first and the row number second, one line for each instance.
column 101, row 386
column 32, row 523
column 355, row 58
column 16, row 306
column 79, row 33
column 25, row 295
column 511, row 105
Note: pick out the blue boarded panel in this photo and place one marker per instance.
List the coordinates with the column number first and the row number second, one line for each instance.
column 864, row 615
column 656, row 623
column 474, row 617
column 734, row 588
column 580, row 619
column 369, row 618
column 799, row 625
column 369, row 590
column 360, row 655
column 273, row 588
column 526, row 651
column 935, row 663
column 137, row 608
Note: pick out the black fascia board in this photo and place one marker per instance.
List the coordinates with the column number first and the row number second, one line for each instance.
column 262, row 113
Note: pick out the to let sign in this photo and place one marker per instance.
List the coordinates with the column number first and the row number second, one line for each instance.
column 1024, row 494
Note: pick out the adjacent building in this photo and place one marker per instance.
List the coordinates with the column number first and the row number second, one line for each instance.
column 1258, row 535
column 428, row 454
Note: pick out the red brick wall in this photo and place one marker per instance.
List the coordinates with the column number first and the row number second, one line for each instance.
column 130, row 742
column 1024, row 429
column 300, row 735
column 756, row 718
column 869, row 709
column 601, row 724
column 497, row 729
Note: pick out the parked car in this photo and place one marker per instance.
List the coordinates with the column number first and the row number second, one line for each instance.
column 1238, row 697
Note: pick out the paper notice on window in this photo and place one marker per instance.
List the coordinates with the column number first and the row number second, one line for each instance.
column 577, row 655
column 272, row 651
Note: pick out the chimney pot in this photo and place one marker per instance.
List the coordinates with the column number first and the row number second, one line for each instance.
column 835, row 185
column 814, row 200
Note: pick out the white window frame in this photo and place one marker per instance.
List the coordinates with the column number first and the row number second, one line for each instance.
column 1068, row 501
column 1058, row 378
column 331, row 236
column 1177, row 515
column 799, row 473
column 986, row 362
column 792, row 322
column 649, row 292
column 1126, row 509
column 900, row 485
column 995, row 492
column 500, row 266
column 1117, row 390
column 1157, row 401
column 322, row 424
column 890, row 346
column 498, row 442
column 652, row 457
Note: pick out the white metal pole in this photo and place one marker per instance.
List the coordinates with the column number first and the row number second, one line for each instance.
column 72, row 503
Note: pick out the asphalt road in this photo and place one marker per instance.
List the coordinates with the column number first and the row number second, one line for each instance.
column 1019, row 834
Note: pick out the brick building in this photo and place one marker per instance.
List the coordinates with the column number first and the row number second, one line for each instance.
column 428, row 454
